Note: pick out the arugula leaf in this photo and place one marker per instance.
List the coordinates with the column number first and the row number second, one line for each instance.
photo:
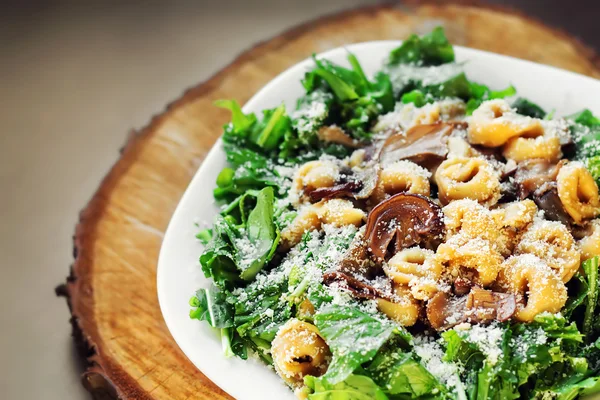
column 400, row 374
column 526, row 107
column 217, row 260
column 357, row 100
column 353, row 336
column 240, row 121
column 585, row 117
column 354, row 387
column 262, row 236
column 430, row 49
column 481, row 93
column 211, row 305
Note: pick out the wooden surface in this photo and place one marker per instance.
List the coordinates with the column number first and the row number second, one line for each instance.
column 112, row 287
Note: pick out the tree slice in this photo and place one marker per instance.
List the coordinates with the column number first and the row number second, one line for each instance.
column 111, row 291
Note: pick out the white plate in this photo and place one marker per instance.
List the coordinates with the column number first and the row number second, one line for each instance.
column 179, row 274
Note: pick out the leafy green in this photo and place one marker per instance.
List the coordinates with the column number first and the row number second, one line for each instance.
column 262, row 236
column 400, row 374
column 481, row 93
column 353, row 336
column 586, row 118
column 526, row 107
column 590, row 267
column 210, row 305
column 354, row 387
column 430, row 49
column 235, row 252
column 357, row 101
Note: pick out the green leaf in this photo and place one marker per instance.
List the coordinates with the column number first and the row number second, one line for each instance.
column 526, row 107
column 354, row 387
column 399, row 373
column 430, row 49
column 240, row 121
column 262, row 235
column 210, row 305
column 353, row 336
column 414, row 96
column 586, row 118
column 590, row 267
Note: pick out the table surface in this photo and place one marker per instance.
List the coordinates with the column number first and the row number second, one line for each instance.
column 74, row 80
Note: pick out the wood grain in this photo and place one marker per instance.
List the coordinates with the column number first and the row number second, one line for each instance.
column 111, row 291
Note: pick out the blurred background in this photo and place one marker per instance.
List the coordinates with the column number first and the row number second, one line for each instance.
column 75, row 77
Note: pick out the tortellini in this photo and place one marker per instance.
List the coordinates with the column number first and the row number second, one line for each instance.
column 589, row 245
column 552, row 242
column 467, row 178
column 314, row 175
column 402, row 308
column 402, row 176
column 521, row 148
column 474, row 258
column 416, row 268
column 578, row 192
column 494, row 123
column 336, row 212
column 299, row 350
column 535, row 284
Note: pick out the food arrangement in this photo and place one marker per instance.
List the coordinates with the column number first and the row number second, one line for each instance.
column 409, row 235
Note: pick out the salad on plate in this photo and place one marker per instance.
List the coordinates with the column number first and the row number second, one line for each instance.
column 412, row 234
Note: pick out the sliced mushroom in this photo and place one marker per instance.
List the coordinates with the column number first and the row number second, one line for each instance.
column 408, row 218
column 536, row 178
column 359, row 288
column 422, row 144
column 479, row 306
column 532, row 174
column 335, row 134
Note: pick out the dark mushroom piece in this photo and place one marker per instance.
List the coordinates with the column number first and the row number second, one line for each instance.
column 425, row 145
column 479, row 306
column 359, row 288
column 537, row 179
column 408, row 218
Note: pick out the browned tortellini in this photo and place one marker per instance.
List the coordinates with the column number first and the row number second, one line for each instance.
column 494, row 123
column 473, row 220
column 589, row 245
column 299, row 350
column 537, row 287
column 525, row 148
column 336, row 212
column 473, row 258
column 402, row 308
column 578, row 192
column 402, row 176
column 416, row 268
column 552, row 242
column 512, row 219
column 468, row 178
column 314, row 175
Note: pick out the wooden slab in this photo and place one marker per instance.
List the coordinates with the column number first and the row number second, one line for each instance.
column 111, row 291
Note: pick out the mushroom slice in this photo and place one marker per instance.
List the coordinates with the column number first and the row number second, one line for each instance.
column 480, row 306
column 548, row 201
column 335, row 134
column 422, row 144
column 408, row 218
column 532, row 174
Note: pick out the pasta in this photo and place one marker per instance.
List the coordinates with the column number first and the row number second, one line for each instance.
column 474, row 258
column 535, row 284
column 298, row 350
column 551, row 242
column 402, row 176
column 522, row 148
column 402, row 308
column 467, row 178
column 578, row 192
column 494, row 123
column 415, row 267
column 589, row 245
column 384, row 201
